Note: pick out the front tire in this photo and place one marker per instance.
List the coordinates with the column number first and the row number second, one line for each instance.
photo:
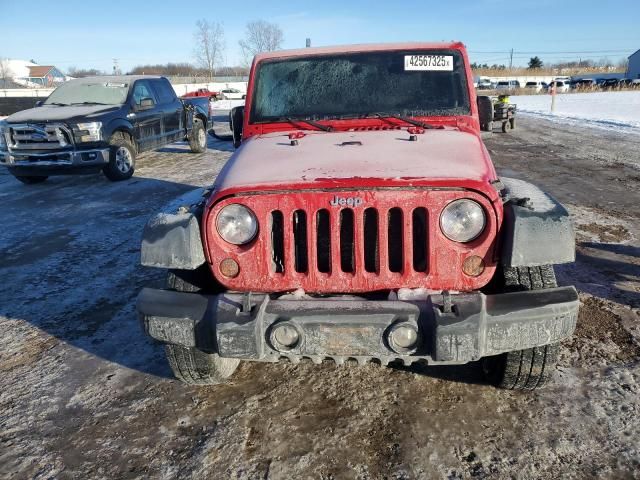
column 198, row 137
column 531, row 368
column 189, row 364
column 30, row 179
column 122, row 158
column 195, row 367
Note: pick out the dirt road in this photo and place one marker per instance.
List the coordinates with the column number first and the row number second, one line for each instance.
column 83, row 394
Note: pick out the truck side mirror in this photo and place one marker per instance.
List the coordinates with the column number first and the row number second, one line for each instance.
column 39, row 103
column 236, row 118
column 146, row 104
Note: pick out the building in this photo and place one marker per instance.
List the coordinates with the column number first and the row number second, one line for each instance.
column 633, row 70
column 29, row 74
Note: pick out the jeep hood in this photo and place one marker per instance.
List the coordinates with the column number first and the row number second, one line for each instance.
column 447, row 157
column 54, row 113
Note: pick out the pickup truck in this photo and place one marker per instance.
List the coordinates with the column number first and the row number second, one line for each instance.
column 361, row 220
column 202, row 92
column 100, row 123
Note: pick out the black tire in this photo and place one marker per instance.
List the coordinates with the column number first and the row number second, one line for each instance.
column 30, row 179
column 195, row 367
column 506, row 126
column 199, row 280
column 190, row 365
column 523, row 369
column 512, row 121
column 198, row 137
column 122, row 158
column 531, row 368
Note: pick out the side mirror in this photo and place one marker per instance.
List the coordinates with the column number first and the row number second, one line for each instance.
column 236, row 119
column 39, row 103
column 146, row 104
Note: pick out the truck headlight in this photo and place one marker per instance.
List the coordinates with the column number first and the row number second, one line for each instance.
column 236, row 224
column 462, row 220
column 88, row 132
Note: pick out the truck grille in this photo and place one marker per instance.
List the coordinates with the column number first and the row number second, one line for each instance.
column 390, row 240
column 39, row 136
column 354, row 235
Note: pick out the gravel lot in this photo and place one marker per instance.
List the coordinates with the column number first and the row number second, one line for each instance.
column 83, row 394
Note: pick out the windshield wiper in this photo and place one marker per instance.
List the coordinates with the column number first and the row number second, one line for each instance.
column 88, row 103
column 58, row 104
column 405, row 119
column 325, row 128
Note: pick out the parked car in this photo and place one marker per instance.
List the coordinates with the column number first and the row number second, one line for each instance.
column 231, row 94
column 485, row 84
column 585, row 84
column 535, row 86
column 202, row 92
column 610, row 84
column 100, row 123
column 362, row 224
column 560, row 86
column 508, row 85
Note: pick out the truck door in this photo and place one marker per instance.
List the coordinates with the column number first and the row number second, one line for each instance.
column 146, row 120
column 172, row 110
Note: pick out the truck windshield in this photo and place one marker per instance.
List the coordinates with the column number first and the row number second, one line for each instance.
column 409, row 83
column 89, row 92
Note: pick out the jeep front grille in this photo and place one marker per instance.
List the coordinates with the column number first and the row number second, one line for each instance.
column 355, row 236
column 391, row 240
column 39, row 136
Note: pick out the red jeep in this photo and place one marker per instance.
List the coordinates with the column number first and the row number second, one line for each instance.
column 361, row 219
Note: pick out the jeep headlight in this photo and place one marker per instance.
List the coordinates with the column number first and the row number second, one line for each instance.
column 462, row 220
column 88, row 132
column 236, row 224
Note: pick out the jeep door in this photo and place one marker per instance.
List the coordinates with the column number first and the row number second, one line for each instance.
column 172, row 111
column 146, row 119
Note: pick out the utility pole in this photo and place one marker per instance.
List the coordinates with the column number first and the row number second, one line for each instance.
column 511, row 59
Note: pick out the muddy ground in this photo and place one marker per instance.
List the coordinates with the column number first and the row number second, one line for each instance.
column 83, row 394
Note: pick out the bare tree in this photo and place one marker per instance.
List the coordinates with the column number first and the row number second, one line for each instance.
column 260, row 36
column 209, row 45
column 5, row 73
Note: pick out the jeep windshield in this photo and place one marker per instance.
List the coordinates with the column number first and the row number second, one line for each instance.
column 398, row 83
column 88, row 92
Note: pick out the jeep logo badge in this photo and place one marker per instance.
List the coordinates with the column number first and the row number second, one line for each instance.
column 348, row 201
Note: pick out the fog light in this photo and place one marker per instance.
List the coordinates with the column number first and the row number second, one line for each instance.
column 229, row 268
column 473, row 266
column 403, row 337
column 284, row 336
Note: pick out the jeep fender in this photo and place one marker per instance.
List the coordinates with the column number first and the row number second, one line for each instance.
column 171, row 239
column 537, row 230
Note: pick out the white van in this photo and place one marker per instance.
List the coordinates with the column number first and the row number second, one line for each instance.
column 508, row 85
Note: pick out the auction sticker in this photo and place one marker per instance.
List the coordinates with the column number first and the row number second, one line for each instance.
column 429, row 62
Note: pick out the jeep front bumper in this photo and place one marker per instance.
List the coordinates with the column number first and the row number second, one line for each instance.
column 452, row 329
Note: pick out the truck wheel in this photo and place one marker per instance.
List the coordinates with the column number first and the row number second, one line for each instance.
column 30, row 179
column 506, row 126
column 195, row 367
column 531, row 368
column 198, row 137
column 122, row 158
column 512, row 120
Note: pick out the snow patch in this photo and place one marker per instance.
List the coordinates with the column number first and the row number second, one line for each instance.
column 619, row 111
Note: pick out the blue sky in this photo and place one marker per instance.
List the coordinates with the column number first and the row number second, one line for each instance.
column 90, row 34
